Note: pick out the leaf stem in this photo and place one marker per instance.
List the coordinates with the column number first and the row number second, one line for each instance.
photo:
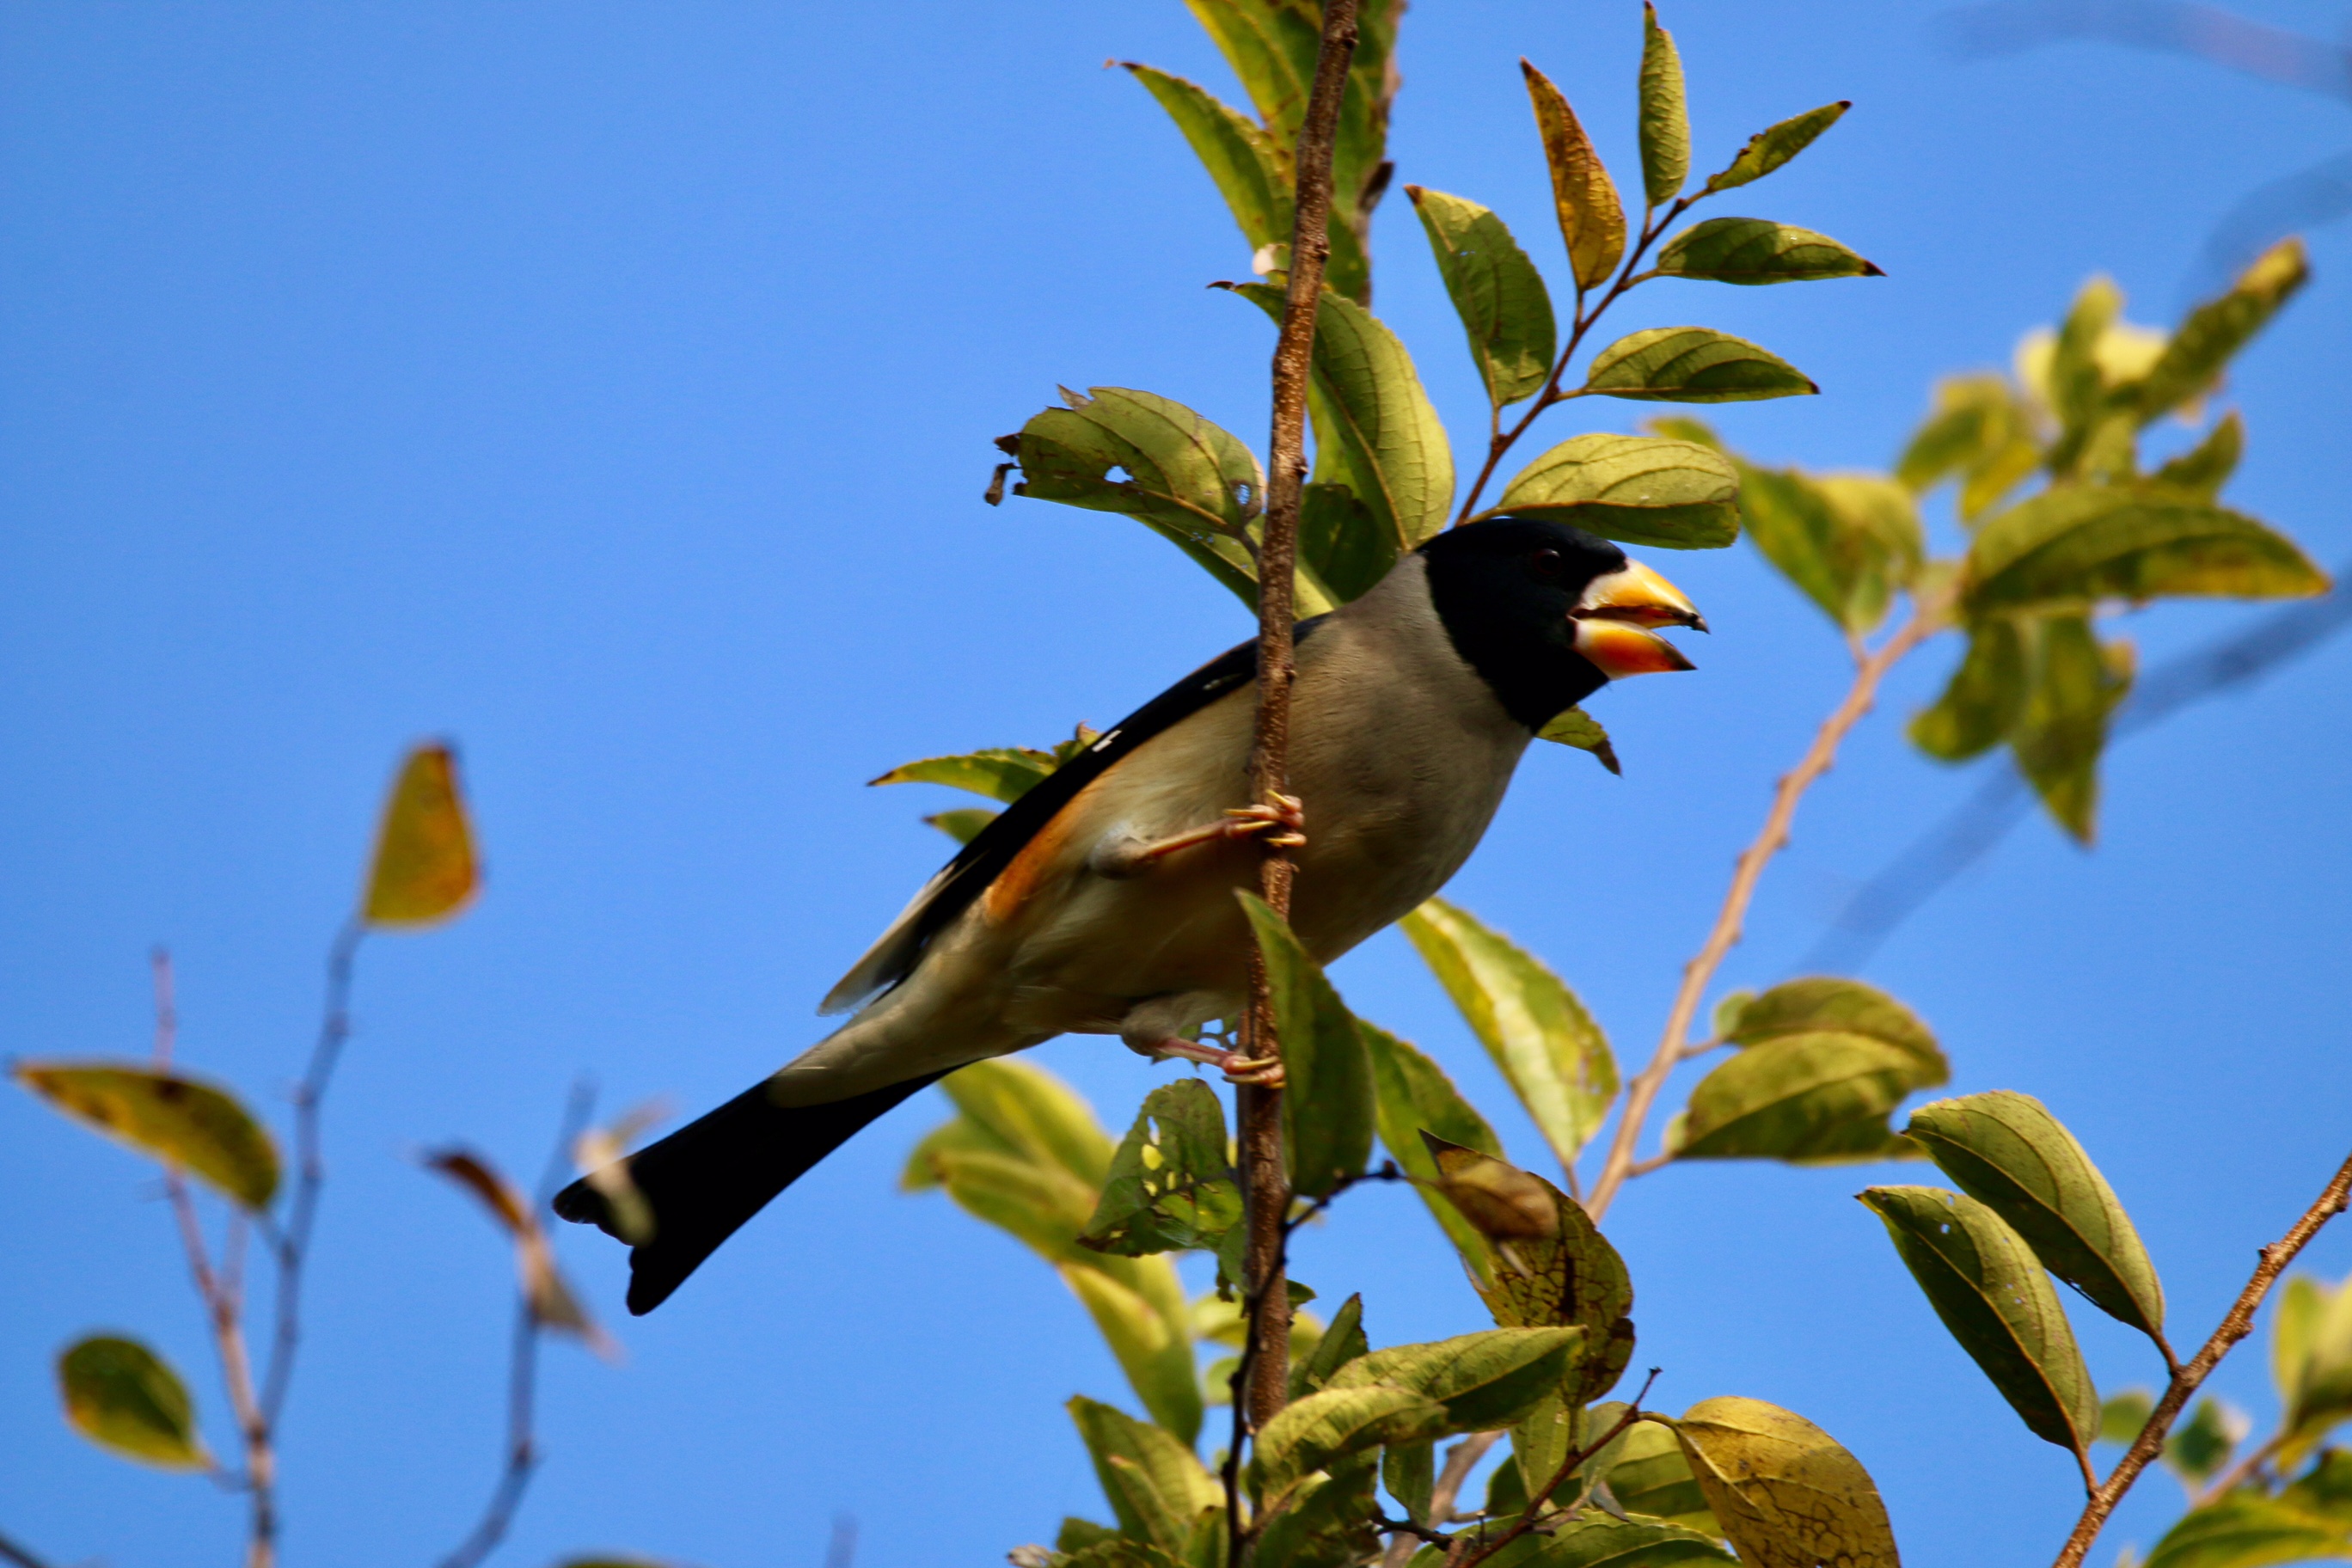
column 1652, row 227
column 2236, row 1324
column 1264, row 1183
column 1926, row 618
column 1536, row 1504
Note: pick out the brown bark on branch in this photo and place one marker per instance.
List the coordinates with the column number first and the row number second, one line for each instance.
column 2236, row 1324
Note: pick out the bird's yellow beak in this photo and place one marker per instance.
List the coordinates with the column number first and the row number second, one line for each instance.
column 1612, row 616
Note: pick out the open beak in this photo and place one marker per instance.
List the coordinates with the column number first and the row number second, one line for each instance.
column 1613, row 617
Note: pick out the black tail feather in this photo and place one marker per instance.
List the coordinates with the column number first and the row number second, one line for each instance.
column 703, row 1181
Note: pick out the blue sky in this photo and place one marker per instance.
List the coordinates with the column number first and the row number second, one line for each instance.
column 610, row 387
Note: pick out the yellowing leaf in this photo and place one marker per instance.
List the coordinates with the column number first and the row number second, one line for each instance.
column 1575, row 727
column 180, row 1121
column 1591, row 219
column 1770, row 148
column 1155, row 1354
column 553, row 1304
column 2070, row 547
column 426, row 871
column 1665, row 121
column 125, row 1398
column 1782, row 1489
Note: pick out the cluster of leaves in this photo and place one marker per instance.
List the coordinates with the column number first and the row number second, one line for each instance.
column 1609, row 1483
column 2032, row 1206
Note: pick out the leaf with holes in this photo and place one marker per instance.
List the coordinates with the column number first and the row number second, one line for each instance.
column 1752, row 251
column 2006, row 1151
column 1554, row 1056
column 126, row 1399
column 1172, row 1184
column 1785, row 1492
column 1505, row 307
column 1988, row 1288
column 1693, row 365
column 1155, row 460
column 182, row 1122
column 425, row 870
column 1641, row 489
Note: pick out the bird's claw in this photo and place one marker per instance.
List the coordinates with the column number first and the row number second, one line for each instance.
column 1262, row 1073
column 1285, row 812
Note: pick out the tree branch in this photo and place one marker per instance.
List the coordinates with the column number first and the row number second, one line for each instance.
column 1926, row 618
column 2236, row 1324
column 1265, row 1187
column 1536, row 1504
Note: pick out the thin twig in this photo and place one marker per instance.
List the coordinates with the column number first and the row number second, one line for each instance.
column 2241, row 1472
column 20, row 1556
column 2235, row 1326
column 1460, row 1461
column 219, row 1291
column 292, row 1243
column 1496, row 444
column 523, row 1455
column 1263, row 1184
column 1536, row 1507
column 1927, row 617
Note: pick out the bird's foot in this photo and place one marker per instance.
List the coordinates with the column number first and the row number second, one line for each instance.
column 1284, row 823
column 1264, row 1072
column 1287, row 812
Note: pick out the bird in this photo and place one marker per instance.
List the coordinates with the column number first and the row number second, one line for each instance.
column 1102, row 900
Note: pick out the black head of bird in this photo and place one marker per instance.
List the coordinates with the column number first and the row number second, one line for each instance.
column 1548, row 613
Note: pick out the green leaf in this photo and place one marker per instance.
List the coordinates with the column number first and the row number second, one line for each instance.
column 1408, row 1470
column 2311, row 1357
column 1693, row 365
column 965, row 824
column 1334, row 1348
column 1079, row 1534
column 1979, row 432
column 1665, row 120
column 1177, row 474
column 1155, row 1352
column 185, row 1122
column 2199, row 1448
column 999, row 773
column 1641, row 489
column 1785, row 1492
column 2121, row 1417
column 1652, row 1476
column 1311, row 1433
column 1575, row 727
column 1596, row 1541
column 1554, row 1056
column 1754, row 250
column 1496, row 289
column 1239, row 156
column 1026, row 1111
column 1484, row 1381
column 2073, row 685
column 1547, row 1263
column 123, row 1398
column 1848, row 541
column 426, row 869
column 1340, row 543
column 1818, row 1097
column 1775, row 145
column 1983, row 701
column 2247, row 1529
column 1171, row 1183
column 1118, row 1551
column 1327, row 1104
column 2076, row 384
column 1154, row 1483
column 1591, row 219
column 1325, row 1523
column 1413, row 1095
column 2218, row 329
column 2204, row 468
column 2006, row 1151
column 1988, row 1288
column 1822, row 1001
column 2076, row 546
column 1398, row 462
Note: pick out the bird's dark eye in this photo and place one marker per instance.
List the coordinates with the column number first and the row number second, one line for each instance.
column 1546, row 564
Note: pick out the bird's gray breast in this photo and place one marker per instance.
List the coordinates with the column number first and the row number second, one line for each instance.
column 1400, row 752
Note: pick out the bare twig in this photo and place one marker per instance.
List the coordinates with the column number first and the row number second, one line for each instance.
column 1263, row 1184
column 523, row 1454
column 2235, row 1325
column 1927, row 617
column 1538, row 1504
column 292, row 1243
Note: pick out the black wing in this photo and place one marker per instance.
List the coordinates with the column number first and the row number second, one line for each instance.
column 981, row 861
